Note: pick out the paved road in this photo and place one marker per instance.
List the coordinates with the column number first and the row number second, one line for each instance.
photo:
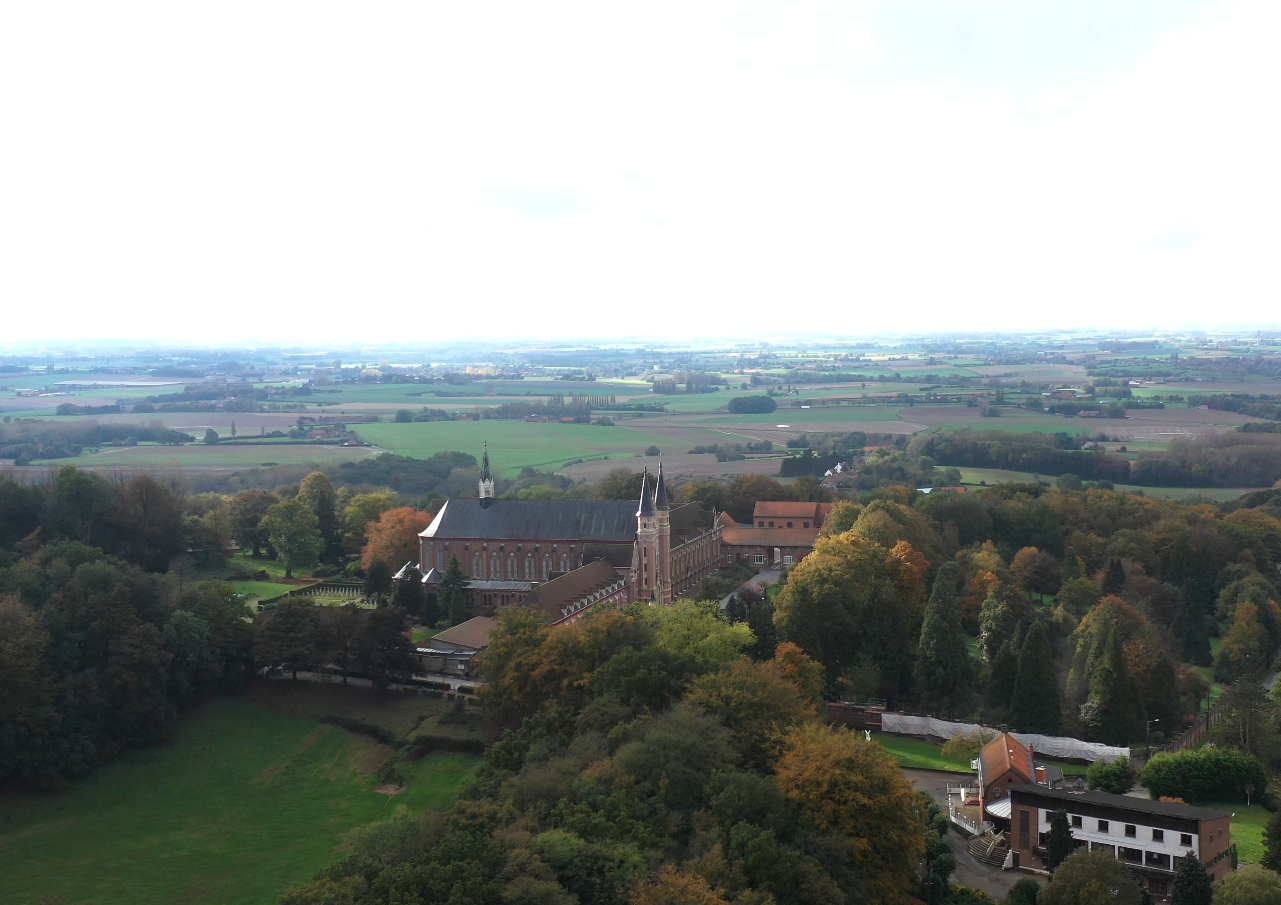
column 969, row 871
column 760, row 579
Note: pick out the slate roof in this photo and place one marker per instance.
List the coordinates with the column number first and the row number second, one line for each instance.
column 1123, row 803
column 473, row 633
column 569, row 588
column 616, row 555
column 559, row 520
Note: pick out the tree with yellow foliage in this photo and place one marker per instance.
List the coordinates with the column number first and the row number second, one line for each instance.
column 851, row 789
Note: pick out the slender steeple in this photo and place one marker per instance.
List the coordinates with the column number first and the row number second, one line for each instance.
column 486, row 479
column 646, row 501
column 660, row 494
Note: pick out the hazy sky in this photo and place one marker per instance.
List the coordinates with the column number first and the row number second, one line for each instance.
column 434, row 169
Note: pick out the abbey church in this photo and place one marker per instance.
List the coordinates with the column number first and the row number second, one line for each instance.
column 565, row 556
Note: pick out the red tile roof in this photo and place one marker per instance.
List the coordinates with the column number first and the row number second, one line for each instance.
column 1004, row 753
column 769, row 537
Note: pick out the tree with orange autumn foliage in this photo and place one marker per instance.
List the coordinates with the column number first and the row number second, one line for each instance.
column 853, row 790
column 394, row 537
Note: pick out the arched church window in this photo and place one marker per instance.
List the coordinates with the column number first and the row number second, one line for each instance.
column 495, row 567
column 477, row 568
column 511, row 568
column 564, row 562
column 547, row 567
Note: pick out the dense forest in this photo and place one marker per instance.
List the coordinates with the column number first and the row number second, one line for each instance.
column 657, row 754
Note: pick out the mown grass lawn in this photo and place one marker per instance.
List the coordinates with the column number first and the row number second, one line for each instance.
column 245, row 802
column 920, row 755
column 1248, row 824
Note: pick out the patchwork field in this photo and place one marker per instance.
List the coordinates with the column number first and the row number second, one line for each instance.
column 245, row 802
column 200, row 455
column 976, row 476
column 512, row 444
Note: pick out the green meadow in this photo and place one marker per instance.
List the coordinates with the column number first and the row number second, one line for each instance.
column 245, row 802
column 974, row 476
column 513, row 445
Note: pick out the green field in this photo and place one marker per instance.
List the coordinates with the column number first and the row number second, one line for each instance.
column 786, row 414
column 1248, row 824
column 244, row 803
column 230, row 456
column 974, row 476
column 263, row 590
column 513, row 445
column 920, row 755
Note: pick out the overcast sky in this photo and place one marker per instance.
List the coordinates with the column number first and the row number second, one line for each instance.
column 230, row 171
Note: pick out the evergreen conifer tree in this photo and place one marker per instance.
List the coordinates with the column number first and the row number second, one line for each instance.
column 1272, row 844
column 1072, row 567
column 455, row 599
column 1059, row 844
column 1114, row 577
column 943, row 673
column 1035, row 705
column 1192, row 884
column 1189, row 628
column 1115, row 696
column 1000, row 684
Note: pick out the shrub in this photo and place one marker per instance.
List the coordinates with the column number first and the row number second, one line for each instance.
column 378, row 733
column 1215, row 774
column 1117, row 777
column 423, row 745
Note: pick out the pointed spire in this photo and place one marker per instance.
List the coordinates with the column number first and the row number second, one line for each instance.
column 646, row 500
column 486, row 480
column 660, row 493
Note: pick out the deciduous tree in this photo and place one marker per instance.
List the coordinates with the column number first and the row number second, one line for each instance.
column 247, row 509
column 360, row 510
column 1272, row 843
column 294, row 531
column 384, row 651
column 288, row 639
column 850, row 787
column 1251, row 885
column 394, row 537
column 1086, row 878
column 1116, row 777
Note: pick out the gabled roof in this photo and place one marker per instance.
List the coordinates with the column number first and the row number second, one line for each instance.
column 607, row 521
column 473, row 633
column 1002, row 754
column 552, row 597
column 787, row 509
column 769, row 537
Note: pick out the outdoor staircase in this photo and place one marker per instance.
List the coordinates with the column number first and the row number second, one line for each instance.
column 989, row 848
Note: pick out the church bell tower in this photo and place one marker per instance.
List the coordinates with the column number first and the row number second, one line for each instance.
column 486, row 480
